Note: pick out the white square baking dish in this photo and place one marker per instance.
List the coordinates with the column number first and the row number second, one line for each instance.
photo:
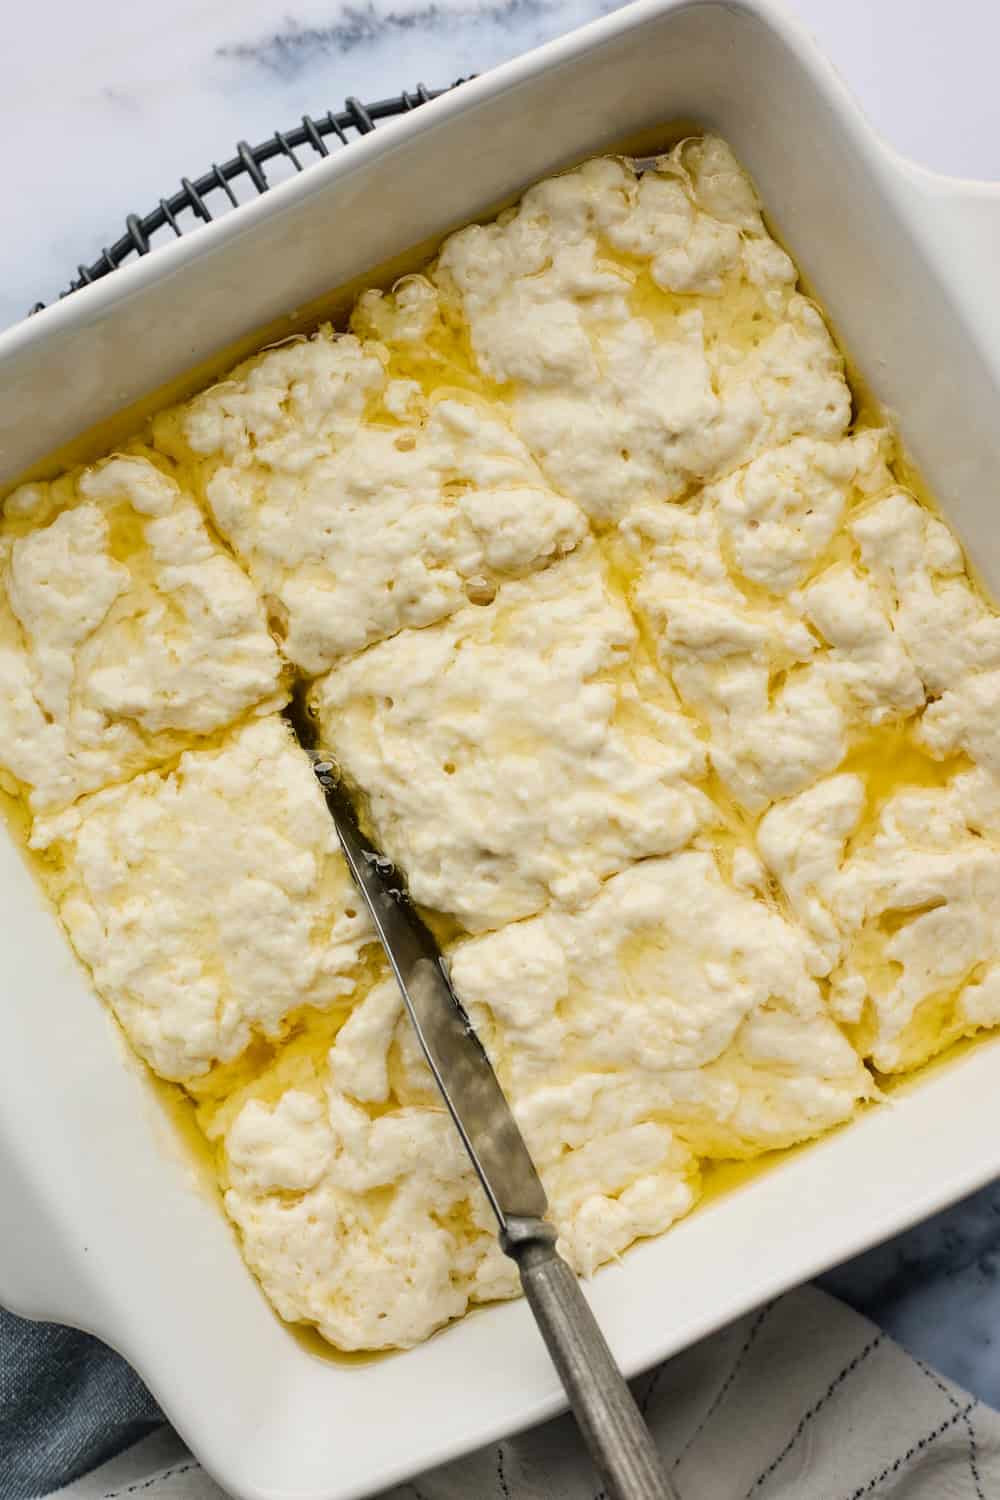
column 104, row 1225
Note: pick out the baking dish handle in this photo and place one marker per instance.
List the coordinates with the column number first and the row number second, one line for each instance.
column 962, row 219
column 42, row 1273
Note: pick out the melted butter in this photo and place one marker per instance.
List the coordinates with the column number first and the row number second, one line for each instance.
column 623, row 565
column 840, row 551
column 933, row 1027
column 267, row 1067
column 887, row 758
column 295, row 1058
column 206, row 1162
column 46, row 865
column 641, row 956
column 446, row 928
column 901, row 1084
column 890, row 760
column 181, row 1114
column 312, row 1342
column 937, row 1021
column 737, row 825
column 720, row 1178
column 442, row 364
column 738, row 318
column 127, row 535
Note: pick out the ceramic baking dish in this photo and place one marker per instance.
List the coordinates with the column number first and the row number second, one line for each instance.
column 104, row 1225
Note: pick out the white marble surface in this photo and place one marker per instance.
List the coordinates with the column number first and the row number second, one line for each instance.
column 103, row 107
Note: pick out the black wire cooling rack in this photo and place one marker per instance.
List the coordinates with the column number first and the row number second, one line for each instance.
column 224, row 186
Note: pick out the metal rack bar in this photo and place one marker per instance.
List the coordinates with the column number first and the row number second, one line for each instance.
column 190, row 201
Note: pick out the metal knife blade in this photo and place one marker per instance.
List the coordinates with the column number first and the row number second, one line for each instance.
column 610, row 1422
column 460, row 1066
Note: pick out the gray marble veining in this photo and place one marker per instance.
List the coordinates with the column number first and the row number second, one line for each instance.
column 104, row 107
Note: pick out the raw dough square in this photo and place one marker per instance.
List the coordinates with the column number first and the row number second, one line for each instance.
column 211, row 902
column 126, row 632
column 518, row 752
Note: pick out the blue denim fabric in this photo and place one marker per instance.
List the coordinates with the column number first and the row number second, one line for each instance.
column 67, row 1403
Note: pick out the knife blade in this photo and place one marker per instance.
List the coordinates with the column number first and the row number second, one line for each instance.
column 612, row 1426
column 454, row 1053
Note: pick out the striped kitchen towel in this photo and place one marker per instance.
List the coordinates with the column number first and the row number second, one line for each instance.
column 803, row 1398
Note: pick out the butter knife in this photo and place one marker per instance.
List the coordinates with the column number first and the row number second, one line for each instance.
column 612, row 1426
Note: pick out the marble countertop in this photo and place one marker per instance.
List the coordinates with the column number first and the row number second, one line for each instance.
column 104, row 107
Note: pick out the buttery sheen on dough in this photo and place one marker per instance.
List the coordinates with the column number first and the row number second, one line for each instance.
column 125, row 630
column 355, row 508
column 519, row 751
column 211, row 901
column 645, row 665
